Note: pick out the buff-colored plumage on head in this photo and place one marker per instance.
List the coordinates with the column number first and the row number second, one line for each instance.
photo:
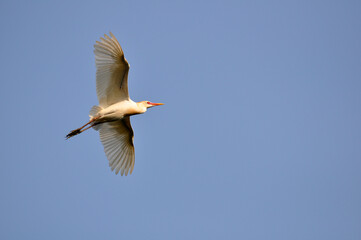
column 144, row 105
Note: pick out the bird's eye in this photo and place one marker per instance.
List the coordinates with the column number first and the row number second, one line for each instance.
column 148, row 102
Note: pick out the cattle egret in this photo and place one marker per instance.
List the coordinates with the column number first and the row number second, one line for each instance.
column 111, row 117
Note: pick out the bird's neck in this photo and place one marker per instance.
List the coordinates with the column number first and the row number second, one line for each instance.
column 140, row 108
column 134, row 108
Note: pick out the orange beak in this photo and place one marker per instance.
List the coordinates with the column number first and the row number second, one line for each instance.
column 156, row 104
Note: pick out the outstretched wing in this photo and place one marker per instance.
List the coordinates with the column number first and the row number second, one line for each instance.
column 117, row 139
column 112, row 71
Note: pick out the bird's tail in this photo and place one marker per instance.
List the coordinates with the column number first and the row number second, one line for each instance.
column 94, row 111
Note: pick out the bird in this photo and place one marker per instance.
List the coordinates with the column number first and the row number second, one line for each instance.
column 111, row 118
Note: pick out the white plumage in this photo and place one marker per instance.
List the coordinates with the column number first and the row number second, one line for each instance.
column 112, row 72
column 112, row 117
column 117, row 140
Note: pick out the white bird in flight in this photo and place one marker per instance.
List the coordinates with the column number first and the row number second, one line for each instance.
column 111, row 117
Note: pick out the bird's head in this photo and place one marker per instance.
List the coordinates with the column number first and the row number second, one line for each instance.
column 146, row 104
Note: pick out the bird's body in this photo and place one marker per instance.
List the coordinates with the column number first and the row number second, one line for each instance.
column 111, row 117
column 119, row 110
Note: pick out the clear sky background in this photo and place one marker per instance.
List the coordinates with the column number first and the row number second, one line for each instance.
column 259, row 137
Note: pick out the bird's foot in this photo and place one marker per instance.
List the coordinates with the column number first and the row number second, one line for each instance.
column 73, row 133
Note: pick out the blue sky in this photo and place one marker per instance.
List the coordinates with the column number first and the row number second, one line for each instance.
column 259, row 138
